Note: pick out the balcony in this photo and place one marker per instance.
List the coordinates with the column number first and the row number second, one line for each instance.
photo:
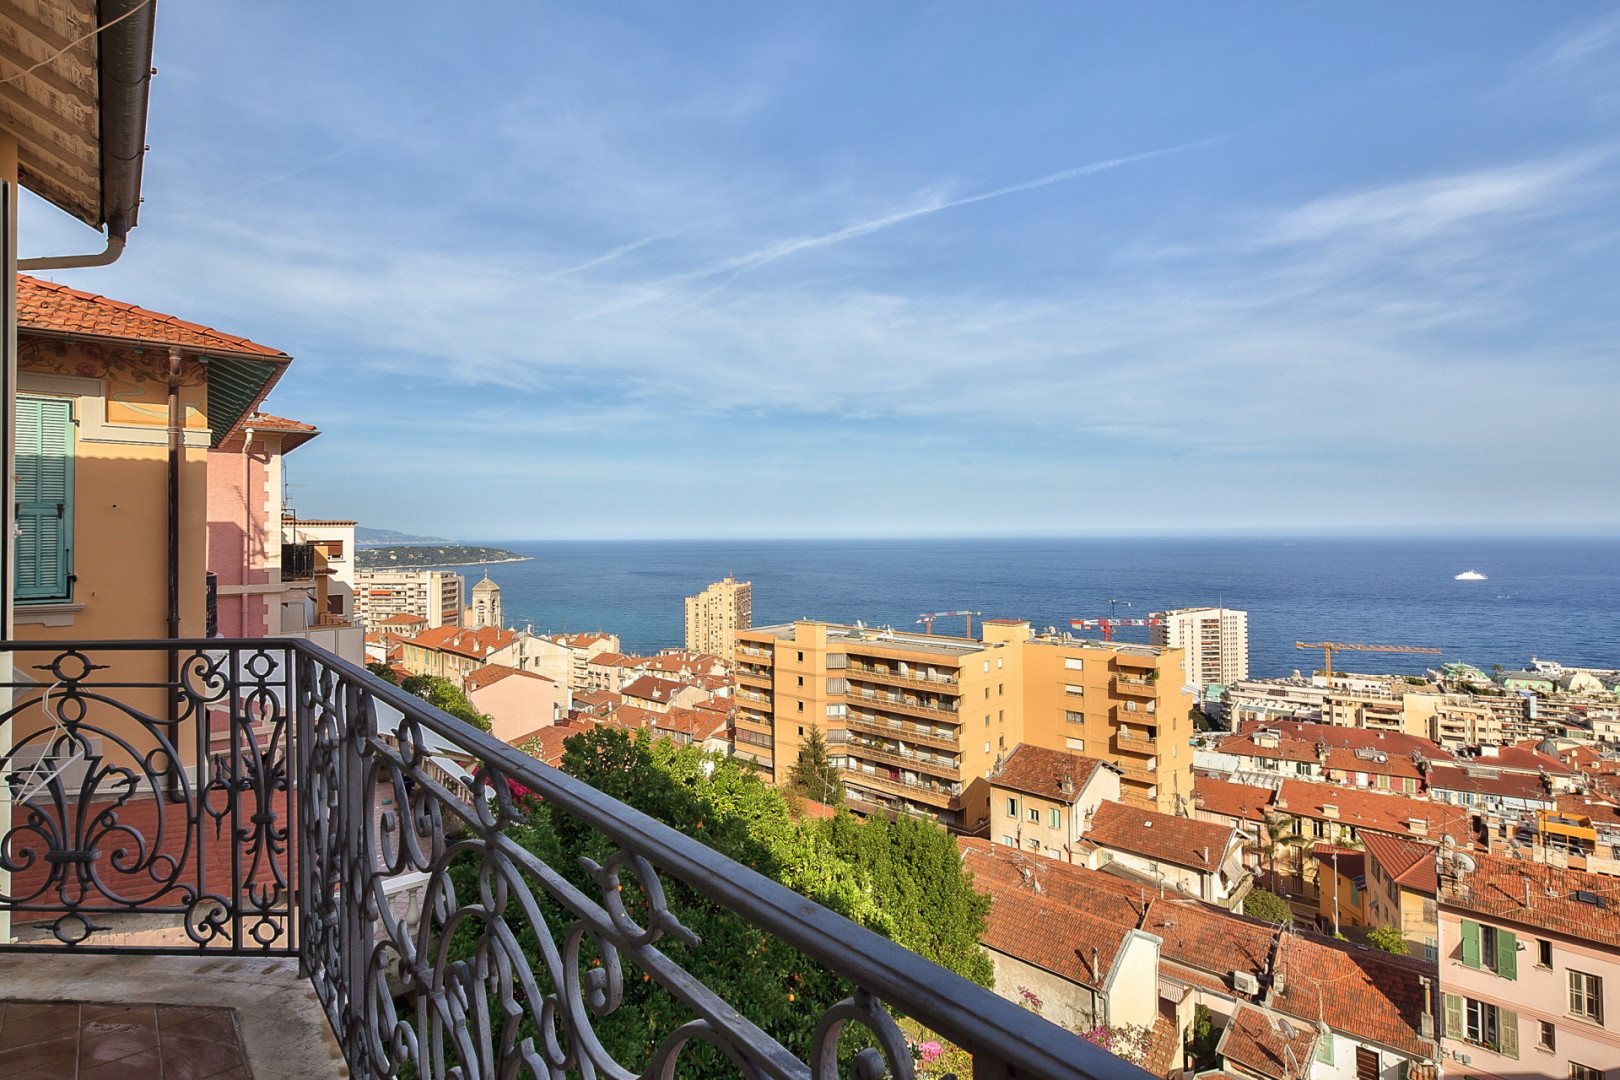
column 942, row 683
column 267, row 824
column 896, row 703
column 920, row 790
column 1130, row 686
column 1136, row 742
column 900, row 729
column 905, row 759
column 761, row 678
column 298, row 562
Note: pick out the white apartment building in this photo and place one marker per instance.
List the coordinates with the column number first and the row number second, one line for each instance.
column 1216, row 640
column 714, row 616
column 434, row 595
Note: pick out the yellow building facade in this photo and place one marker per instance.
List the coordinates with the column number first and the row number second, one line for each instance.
column 918, row 721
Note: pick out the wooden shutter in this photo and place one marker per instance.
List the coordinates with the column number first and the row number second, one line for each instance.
column 44, row 498
column 1324, row 1048
column 1507, row 1026
column 1454, row 1016
column 1507, row 955
column 1366, row 1064
column 1470, row 943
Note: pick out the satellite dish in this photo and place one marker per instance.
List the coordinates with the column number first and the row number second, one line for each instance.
column 1447, row 842
column 1464, row 863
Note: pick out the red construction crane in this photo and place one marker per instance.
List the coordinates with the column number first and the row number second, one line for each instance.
column 928, row 617
column 1107, row 625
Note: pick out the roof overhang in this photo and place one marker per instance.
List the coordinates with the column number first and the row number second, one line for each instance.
column 77, row 108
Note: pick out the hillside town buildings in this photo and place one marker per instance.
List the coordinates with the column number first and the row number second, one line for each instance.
column 1215, row 640
column 714, row 616
column 434, row 595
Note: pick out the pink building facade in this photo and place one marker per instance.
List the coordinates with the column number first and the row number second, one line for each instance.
column 1529, row 958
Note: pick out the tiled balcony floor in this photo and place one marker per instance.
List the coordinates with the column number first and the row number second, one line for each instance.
column 141, row 1017
column 98, row 1041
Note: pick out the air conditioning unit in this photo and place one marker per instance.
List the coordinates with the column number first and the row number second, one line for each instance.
column 1245, row 983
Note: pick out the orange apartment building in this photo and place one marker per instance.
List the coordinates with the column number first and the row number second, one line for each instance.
column 918, row 721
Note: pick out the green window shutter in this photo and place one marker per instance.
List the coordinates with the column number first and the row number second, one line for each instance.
column 1508, row 1033
column 1507, row 955
column 1454, row 1016
column 1470, row 943
column 1057, row 818
column 1324, row 1048
column 44, row 541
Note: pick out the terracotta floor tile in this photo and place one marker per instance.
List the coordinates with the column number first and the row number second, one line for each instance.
column 197, row 1023
column 145, row 1065
column 35, row 1027
column 64, row 1047
column 113, row 1045
column 197, row 1059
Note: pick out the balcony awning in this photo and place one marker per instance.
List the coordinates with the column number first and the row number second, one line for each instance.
column 76, row 101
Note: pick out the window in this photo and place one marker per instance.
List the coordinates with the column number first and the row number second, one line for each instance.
column 801, row 658
column 987, row 665
column 801, row 706
column 1035, row 815
column 1586, row 996
column 1054, row 818
column 334, row 604
column 1009, row 841
column 1001, row 742
column 1324, row 1048
column 987, row 693
column 333, row 548
column 987, row 720
column 836, row 711
column 1074, row 690
column 1577, row 1071
column 801, row 732
column 1548, row 1039
column 987, row 747
column 1490, row 948
column 1431, row 949
column 1012, row 807
column 1001, row 714
column 1075, row 744
column 1483, row 1024
column 998, row 663
column 1544, row 954
column 1000, row 687
column 44, row 536
column 801, row 680
column 1073, row 663
column 1075, row 717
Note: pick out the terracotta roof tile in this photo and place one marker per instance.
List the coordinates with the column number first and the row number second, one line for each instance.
column 1035, row 770
column 1364, row 992
column 1051, row 914
column 45, row 307
column 1409, row 862
column 652, row 688
column 1266, row 1044
column 1214, row 942
column 1181, row 841
column 1498, row 886
column 1370, row 810
column 1237, row 801
column 1510, row 785
column 490, row 674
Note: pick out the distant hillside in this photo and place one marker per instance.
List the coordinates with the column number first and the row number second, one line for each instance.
column 370, row 538
column 425, row 556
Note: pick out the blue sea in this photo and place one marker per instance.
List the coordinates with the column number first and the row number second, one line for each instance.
column 1556, row 599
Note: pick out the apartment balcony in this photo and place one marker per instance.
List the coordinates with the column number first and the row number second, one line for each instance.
column 1135, row 742
column 1134, row 660
column 895, row 703
column 749, row 650
column 905, row 759
column 1132, row 686
column 262, row 828
column 899, row 729
column 938, row 683
column 919, row 790
column 752, row 676
column 749, row 697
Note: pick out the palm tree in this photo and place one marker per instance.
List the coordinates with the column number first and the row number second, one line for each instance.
column 1282, row 829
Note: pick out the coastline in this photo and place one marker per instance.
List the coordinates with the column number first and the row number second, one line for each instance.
column 444, row 565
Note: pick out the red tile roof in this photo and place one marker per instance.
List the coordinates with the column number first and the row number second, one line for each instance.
column 1364, row 992
column 476, row 644
column 546, row 744
column 1498, row 887
column 1507, row 785
column 1267, row 1044
column 1351, row 863
column 652, row 688
column 1051, row 914
column 490, row 674
column 1209, row 940
column 1364, row 810
column 1181, row 841
column 1236, row 801
column 1035, row 770
column 1390, row 742
column 45, row 307
column 1521, row 759
column 1409, row 862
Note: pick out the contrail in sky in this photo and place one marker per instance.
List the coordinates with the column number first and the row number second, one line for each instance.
column 756, row 259
column 622, row 249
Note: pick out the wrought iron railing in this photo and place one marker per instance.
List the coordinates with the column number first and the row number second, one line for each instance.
column 273, row 799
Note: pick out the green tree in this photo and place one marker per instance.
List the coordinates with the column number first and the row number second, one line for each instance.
column 1388, row 937
column 382, row 671
column 446, row 695
column 1265, row 904
column 814, row 776
column 902, row 879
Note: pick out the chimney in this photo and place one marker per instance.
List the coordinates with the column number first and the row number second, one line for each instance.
column 1418, row 826
column 1329, row 810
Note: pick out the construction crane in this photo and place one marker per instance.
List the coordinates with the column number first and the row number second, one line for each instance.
column 1330, row 647
column 927, row 619
column 1113, row 605
column 1107, row 625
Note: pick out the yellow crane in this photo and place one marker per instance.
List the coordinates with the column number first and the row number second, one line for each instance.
column 1330, row 647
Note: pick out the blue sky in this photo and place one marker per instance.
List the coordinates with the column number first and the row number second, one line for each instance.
column 822, row 269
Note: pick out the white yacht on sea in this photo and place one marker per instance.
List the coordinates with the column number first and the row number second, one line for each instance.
column 1471, row 575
